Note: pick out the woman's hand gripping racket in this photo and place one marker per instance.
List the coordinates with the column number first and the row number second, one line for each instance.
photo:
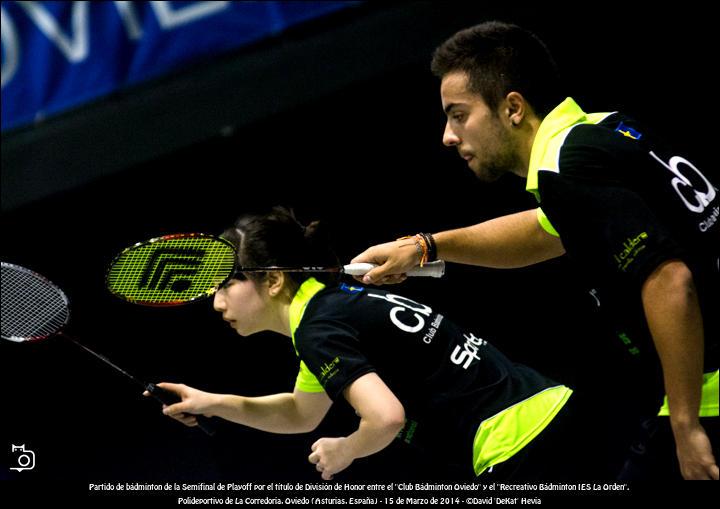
column 33, row 309
column 177, row 269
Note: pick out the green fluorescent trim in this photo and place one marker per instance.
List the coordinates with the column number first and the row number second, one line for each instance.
column 545, row 223
column 549, row 139
column 305, row 381
column 708, row 400
column 503, row 435
column 565, row 115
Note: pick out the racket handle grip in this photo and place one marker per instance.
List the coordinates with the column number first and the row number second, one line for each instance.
column 432, row 269
column 170, row 398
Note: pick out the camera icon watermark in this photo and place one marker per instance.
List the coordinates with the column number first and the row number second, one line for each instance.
column 24, row 458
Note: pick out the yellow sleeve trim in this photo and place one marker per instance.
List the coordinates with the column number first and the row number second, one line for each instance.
column 708, row 401
column 545, row 223
column 306, row 381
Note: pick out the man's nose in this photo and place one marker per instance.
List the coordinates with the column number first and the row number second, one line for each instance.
column 450, row 139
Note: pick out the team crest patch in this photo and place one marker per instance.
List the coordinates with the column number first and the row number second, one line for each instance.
column 628, row 132
column 351, row 289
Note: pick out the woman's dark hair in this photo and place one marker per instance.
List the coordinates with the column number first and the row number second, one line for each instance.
column 277, row 238
column 500, row 58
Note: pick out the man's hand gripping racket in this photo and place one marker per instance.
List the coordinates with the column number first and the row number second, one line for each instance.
column 391, row 263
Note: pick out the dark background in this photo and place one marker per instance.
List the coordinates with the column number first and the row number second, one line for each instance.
column 361, row 152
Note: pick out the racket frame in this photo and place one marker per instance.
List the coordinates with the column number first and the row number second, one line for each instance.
column 164, row 238
column 156, row 392
column 58, row 291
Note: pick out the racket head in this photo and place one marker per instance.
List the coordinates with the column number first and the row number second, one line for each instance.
column 33, row 308
column 171, row 270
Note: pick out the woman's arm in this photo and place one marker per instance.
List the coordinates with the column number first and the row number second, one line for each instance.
column 382, row 416
column 297, row 412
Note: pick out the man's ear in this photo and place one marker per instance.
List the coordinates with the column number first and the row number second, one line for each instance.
column 516, row 108
column 275, row 281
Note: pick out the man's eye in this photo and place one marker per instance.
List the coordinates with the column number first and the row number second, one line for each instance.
column 458, row 117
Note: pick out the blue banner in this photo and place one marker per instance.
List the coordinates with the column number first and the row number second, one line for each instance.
column 58, row 55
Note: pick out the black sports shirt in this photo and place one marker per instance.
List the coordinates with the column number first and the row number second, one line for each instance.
column 449, row 380
column 623, row 203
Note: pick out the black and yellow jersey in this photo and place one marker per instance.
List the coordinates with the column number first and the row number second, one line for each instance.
column 460, row 394
column 622, row 203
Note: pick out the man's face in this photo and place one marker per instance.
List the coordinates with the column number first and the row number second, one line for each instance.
column 479, row 134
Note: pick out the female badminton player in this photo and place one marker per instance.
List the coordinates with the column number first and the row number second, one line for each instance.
column 408, row 371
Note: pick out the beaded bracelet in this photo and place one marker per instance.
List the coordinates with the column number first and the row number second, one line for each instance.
column 431, row 255
column 425, row 245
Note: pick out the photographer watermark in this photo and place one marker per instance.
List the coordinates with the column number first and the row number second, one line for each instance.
column 24, row 458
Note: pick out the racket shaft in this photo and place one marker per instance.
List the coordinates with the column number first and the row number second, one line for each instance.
column 170, row 398
column 102, row 358
column 166, row 397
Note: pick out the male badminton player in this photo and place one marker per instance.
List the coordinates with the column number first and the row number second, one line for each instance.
column 640, row 219
column 407, row 370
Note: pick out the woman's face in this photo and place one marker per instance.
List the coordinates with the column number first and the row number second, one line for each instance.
column 245, row 305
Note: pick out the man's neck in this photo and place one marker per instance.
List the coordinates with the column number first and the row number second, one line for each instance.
column 525, row 143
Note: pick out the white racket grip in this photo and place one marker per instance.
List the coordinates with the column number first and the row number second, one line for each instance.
column 432, row 269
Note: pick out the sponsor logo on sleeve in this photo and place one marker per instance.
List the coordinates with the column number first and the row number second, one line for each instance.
column 631, row 248
column 329, row 370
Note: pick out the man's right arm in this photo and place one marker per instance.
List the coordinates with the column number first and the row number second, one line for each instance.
column 512, row 241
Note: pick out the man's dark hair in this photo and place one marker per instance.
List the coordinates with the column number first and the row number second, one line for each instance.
column 500, row 58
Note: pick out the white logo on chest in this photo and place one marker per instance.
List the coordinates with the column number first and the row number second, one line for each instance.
column 408, row 315
column 695, row 199
column 463, row 356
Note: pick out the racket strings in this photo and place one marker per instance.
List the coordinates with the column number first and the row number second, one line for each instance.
column 171, row 270
column 32, row 307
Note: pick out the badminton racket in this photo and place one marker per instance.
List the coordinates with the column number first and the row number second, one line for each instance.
column 181, row 268
column 33, row 309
